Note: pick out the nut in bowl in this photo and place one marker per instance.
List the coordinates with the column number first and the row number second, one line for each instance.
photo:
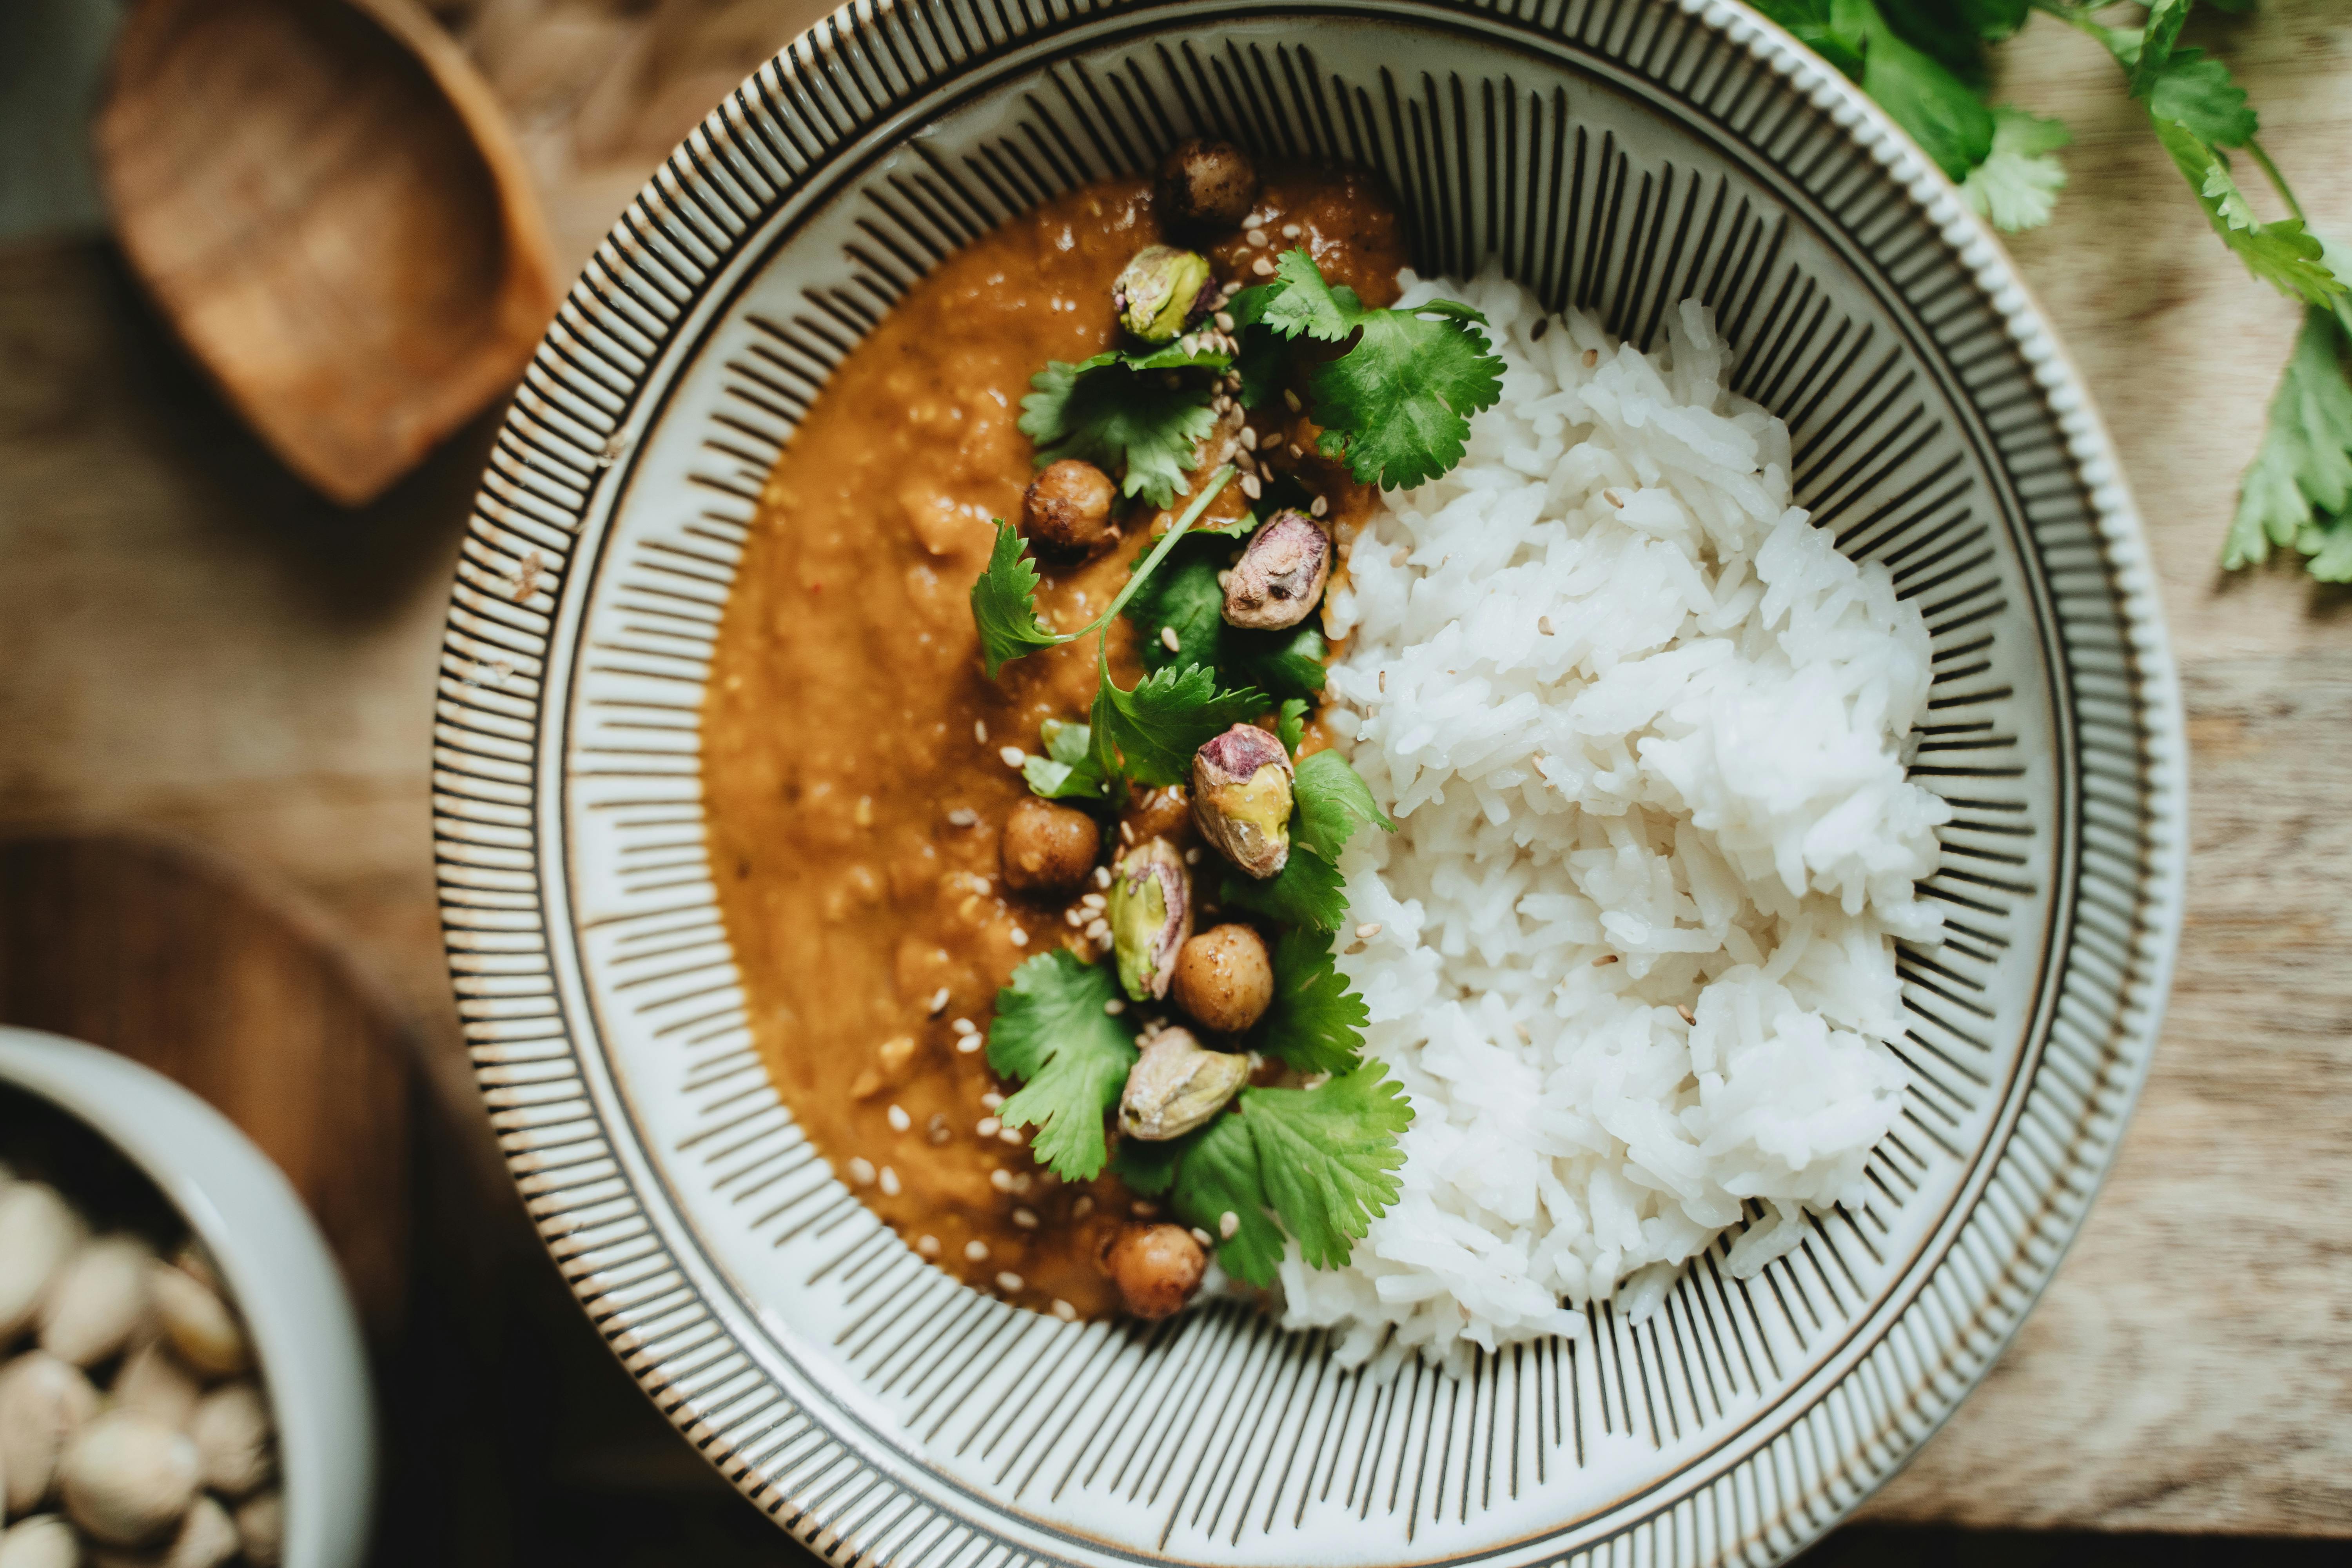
column 1336, row 730
column 143, row 1419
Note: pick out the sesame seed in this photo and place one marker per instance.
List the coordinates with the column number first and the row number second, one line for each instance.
column 1524, row 1033
column 928, row 1246
column 1321, row 504
column 1384, row 681
column 1291, row 398
column 1255, row 237
column 1167, row 640
column 1604, row 959
column 1249, row 437
column 1688, row 1017
column 1014, row 755
column 975, row 1251
column 1204, row 1237
column 1369, row 930
column 1094, row 901
column 1098, row 930
column 1017, row 937
column 1262, row 266
column 1543, row 325
column 1401, row 554
column 1025, row 1219
column 991, row 1100
column 889, row 1183
column 1009, row 1283
column 899, row 1120
column 1011, row 1135
column 971, row 1043
column 864, row 814
column 861, row 1171
column 1084, row 1206
column 1290, row 231
column 1021, row 1182
column 1352, row 949
column 1065, row 1311
column 1224, row 319
column 1074, row 917
column 1102, row 878
column 963, row 817
column 1251, row 487
column 1115, row 1007
column 1592, row 358
column 1125, row 836
column 1297, row 451
column 1142, row 1210
column 1228, row 1223
column 1191, row 857
column 963, row 1027
column 987, row 1126
column 1543, row 625
column 936, row 1129
column 939, row 1002
column 1613, row 498
column 979, row 731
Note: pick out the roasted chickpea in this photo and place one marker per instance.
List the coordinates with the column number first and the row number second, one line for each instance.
column 1206, row 183
column 1048, row 847
column 1067, row 508
column 1224, row 978
column 1156, row 1267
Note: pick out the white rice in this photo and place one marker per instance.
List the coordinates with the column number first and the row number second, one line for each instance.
column 1641, row 728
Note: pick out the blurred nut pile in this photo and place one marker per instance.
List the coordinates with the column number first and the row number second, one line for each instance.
column 133, row 1431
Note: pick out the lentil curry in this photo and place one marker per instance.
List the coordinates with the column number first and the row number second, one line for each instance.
column 860, row 764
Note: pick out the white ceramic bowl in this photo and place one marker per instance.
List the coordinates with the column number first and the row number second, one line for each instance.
column 1619, row 154
column 277, row 1268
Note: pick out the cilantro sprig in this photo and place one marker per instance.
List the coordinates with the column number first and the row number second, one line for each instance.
column 1054, row 1032
column 1397, row 405
column 1924, row 62
column 1140, row 415
column 1330, row 803
column 1323, row 1161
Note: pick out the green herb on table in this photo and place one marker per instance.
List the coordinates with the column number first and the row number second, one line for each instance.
column 1924, row 62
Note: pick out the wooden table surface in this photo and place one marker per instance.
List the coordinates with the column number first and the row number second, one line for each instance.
column 195, row 645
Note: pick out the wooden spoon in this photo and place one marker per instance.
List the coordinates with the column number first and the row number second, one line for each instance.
column 328, row 203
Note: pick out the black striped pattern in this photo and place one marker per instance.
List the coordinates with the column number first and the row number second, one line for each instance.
column 1616, row 155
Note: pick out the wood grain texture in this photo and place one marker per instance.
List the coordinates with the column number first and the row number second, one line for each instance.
column 326, row 201
column 178, row 962
column 193, row 643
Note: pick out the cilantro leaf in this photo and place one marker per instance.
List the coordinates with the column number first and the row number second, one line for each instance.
column 1147, row 1166
column 1069, row 769
column 1935, row 107
column 1307, row 892
column 1221, row 1175
column 2195, row 91
column 1290, row 726
column 1140, row 415
column 2306, row 462
column 2280, row 253
column 2157, row 37
column 1397, row 405
column 1333, row 802
column 1185, row 598
column 1149, row 734
column 1328, row 1157
column 1004, row 604
column 1808, row 21
column 2016, row 185
column 1315, row 1022
column 1051, row 1032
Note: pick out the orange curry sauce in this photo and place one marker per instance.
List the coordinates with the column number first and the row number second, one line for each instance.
column 853, row 751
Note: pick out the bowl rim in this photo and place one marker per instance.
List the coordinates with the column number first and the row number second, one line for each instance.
column 815, row 66
column 281, row 1277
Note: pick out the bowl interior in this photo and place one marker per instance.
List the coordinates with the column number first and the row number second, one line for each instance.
column 1616, row 158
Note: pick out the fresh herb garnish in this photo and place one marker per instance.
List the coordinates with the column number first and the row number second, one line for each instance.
column 1068, row 769
column 1052, row 1032
column 1290, row 725
column 1216, row 1175
column 1314, row 1023
column 1148, row 735
column 1142, row 415
column 1924, row 61
column 1397, row 405
column 1184, row 599
column 1331, row 802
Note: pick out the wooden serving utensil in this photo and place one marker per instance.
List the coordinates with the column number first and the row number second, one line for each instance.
column 328, row 203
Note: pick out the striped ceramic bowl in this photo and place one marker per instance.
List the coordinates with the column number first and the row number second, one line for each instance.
column 1616, row 155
